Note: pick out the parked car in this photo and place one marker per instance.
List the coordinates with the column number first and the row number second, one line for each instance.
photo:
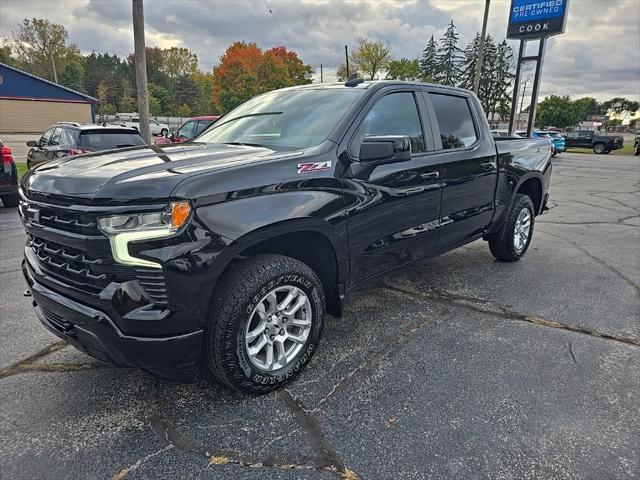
column 67, row 138
column 636, row 143
column 133, row 121
column 541, row 134
column 228, row 250
column 8, row 177
column 189, row 129
column 557, row 140
column 592, row 139
column 504, row 133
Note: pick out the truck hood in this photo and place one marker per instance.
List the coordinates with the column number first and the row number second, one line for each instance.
column 147, row 172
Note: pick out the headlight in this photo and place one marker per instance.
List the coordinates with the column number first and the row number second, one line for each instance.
column 123, row 229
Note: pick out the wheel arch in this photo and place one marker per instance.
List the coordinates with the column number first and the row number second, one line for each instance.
column 532, row 187
column 310, row 240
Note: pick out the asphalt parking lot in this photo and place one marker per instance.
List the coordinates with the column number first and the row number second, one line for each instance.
column 461, row 367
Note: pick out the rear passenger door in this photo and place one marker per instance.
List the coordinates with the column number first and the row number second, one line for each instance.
column 469, row 166
column 391, row 208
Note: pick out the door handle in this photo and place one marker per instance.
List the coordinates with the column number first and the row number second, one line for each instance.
column 430, row 175
column 488, row 166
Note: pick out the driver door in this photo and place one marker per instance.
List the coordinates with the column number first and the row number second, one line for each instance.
column 392, row 209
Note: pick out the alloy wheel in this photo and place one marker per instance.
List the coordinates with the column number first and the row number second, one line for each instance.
column 278, row 327
column 522, row 230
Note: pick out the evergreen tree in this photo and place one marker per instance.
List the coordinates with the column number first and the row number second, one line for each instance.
column 469, row 62
column 428, row 62
column 448, row 58
column 501, row 102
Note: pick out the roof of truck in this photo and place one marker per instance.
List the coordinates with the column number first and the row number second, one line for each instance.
column 369, row 84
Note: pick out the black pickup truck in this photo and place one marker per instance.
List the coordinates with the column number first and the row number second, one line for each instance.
column 595, row 140
column 228, row 250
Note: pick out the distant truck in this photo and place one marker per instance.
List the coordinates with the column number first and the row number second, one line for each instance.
column 132, row 120
column 593, row 139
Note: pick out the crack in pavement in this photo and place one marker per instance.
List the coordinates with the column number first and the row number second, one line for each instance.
column 596, row 259
column 28, row 364
column 595, row 194
column 326, row 458
column 476, row 304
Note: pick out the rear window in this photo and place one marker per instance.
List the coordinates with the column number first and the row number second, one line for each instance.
column 456, row 123
column 109, row 139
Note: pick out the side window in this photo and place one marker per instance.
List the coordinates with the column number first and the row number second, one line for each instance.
column 187, row 130
column 202, row 126
column 456, row 122
column 44, row 140
column 572, row 135
column 56, row 136
column 135, row 120
column 394, row 114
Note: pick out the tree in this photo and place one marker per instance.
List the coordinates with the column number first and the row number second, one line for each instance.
column 588, row 106
column 558, row 111
column 111, row 70
column 184, row 111
column 404, row 69
column 341, row 72
column 245, row 71
column 127, row 103
column 370, row 57
column 160, row 100
column 618, row 105
column 6, row 53
column 469, row 61
column 428, row 61
column 42, row 48
column 448, row 58
column 73, row 75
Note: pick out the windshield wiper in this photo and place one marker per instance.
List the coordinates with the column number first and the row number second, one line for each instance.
column 216, row 125
column 246, row 144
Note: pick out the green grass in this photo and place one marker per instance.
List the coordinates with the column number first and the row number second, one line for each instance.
column 22, row 167
column 627, row 149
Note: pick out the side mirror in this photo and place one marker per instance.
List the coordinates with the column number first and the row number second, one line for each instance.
column 171, row 136
column 383, row 149
column 32, row 143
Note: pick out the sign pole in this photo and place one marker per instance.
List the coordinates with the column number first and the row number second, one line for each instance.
column 536, row 86
column 516, row 87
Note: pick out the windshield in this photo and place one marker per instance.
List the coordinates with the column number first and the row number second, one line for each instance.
column 283, row 120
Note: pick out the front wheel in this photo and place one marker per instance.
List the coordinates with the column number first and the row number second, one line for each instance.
column 511, row 243
column 265, row 323
column 599, row 148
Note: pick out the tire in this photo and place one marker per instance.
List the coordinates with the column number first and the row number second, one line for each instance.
column 235, row 311
column 164, row 132
column 599, row 148
column 503, row 244
column 11, row 200
column 637, row 152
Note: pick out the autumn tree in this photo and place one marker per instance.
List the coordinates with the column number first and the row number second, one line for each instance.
column 370, row 57
column 245, row 71
column 43, row 48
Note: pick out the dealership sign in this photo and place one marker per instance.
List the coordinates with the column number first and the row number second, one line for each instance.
column 536, row 18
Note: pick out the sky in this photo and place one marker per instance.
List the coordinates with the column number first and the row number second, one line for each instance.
column 598, row 55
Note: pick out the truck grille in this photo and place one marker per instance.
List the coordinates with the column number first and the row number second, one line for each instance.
column 58, row 235
column 77, row 268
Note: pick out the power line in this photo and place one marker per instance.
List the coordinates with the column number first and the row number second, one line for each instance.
column 278, row 22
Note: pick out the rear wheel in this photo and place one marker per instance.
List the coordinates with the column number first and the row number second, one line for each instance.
column 265, row 323
column 164, row 132
column 599, row 148
column 511, row 243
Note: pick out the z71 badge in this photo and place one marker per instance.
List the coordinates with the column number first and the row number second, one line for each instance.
column 312, row 167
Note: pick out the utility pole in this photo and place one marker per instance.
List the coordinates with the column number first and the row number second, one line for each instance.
column 321, row 77
column 141, row 69
column 480, row 59
column 53, row 63
column 346, row 57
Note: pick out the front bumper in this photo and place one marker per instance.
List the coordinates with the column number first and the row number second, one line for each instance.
column 93, row 332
